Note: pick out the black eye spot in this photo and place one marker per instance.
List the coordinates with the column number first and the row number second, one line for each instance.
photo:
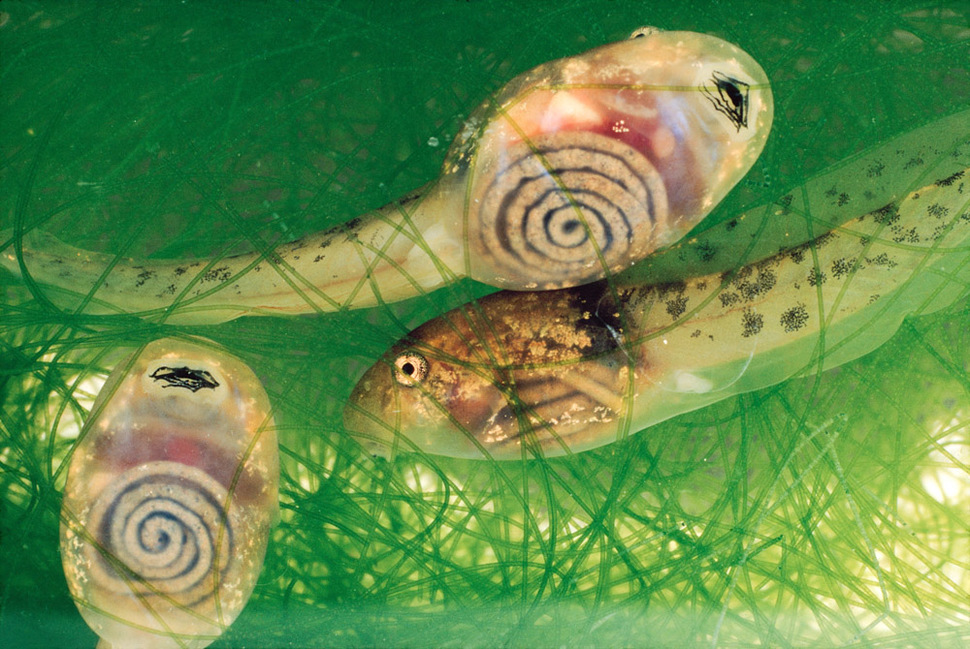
column 185, row 377
column 410, row 368
column 734, row 94
column 729, row 97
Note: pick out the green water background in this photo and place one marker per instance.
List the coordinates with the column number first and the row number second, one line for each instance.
column 827, row 511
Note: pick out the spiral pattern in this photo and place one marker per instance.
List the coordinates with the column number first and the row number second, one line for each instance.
column 542, row 210
column 161, row 530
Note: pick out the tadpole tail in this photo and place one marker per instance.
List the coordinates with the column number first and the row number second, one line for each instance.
column 400, row 251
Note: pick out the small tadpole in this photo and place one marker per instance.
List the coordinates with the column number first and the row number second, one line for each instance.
column 185, row 377
column 730, row 97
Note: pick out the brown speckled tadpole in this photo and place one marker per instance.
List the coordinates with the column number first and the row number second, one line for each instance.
column 615, row 359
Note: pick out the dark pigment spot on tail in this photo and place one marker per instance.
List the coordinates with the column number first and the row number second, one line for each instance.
column 749, row 283
column 886, row 215
column 841, row 267
column 901, row 235
column 706, row 252
column 677, row 306
column 144, row 276
column 751, row 323
column 220, row 274
column 794, row 318
column 883, row 260
column 949, row 180
column 816, row 277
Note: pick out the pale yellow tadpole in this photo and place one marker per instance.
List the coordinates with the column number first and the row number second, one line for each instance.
column 171, row 492
column 575, row 170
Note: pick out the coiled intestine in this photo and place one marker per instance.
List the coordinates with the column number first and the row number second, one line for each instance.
column 604, row 191
column 163, row 528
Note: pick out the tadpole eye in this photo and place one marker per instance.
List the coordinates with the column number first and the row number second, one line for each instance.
column 729, row 96
column 410, row 368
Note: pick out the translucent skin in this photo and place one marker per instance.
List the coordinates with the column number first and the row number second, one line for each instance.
column 170, row 496
column 523, row 374
column 575, row 170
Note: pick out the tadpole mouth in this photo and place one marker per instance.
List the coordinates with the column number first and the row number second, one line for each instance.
column 366, row 414
column 367, row 428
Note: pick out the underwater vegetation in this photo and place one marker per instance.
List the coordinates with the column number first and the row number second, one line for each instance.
column 828, row 509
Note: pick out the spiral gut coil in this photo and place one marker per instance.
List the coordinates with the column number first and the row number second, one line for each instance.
column 169, row 499
column 566, row 201
column 167, row 531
